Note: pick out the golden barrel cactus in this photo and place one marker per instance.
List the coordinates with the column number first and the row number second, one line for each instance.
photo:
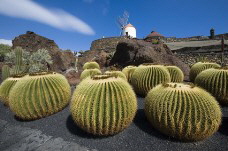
column 6, row 86
column 103, row 105
column 176, row 74
column 116, row 74
column 88, row 73
column 183, row 111
column 147, row 76
column 91, row 65
column 128, row 71
column 215, row 81
column 199, row 67
column 39, row 94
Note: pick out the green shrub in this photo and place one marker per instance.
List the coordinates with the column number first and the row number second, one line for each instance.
column 5, row 72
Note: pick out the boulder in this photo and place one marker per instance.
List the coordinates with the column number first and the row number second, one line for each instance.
column 136, row 52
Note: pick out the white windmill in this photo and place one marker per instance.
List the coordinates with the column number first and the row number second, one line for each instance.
column 127, row 29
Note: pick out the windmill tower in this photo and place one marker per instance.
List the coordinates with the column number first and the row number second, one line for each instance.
column 127, row 29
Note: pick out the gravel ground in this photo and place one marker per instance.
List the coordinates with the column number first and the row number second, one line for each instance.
column 139, row 136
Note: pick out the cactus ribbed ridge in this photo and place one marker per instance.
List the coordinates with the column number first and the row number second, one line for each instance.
column 183, row 111
column 176, row 73
column 215, row 81
column 91, row 65
column 199, row 67
column 128, row 71
column 5, row 72
column 38, row 95
column 116, row 74
column 5, row 88
column 147, row 76
column 103, row 105
column 88, row 73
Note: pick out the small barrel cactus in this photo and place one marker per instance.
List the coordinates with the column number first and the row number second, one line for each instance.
column 199, row 67
column 88, row 73
column 147, row 76
column 5, row 72
column 6, row 86
column 116, row 74
column 91, row 65
column 183, row 111
column 103, row 105
column 128, row 71
column 176, row 73
column 39, row 94
column 215, row 81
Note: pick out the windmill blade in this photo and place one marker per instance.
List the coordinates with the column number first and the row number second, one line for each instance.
column 125, row 17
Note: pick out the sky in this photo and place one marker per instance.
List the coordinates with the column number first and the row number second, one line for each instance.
column 74, row 24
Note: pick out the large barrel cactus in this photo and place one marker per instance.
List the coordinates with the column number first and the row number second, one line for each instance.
column 176, row 73
column 116, row 74
column 103, row 105
column 128, row 71
column 88, row 73
column 38, row 95
column 183, row 111
column 5, row 72
column 147, row 76
column 199, row 67
column 6, row 86
column 215, row 81
column 91, row 65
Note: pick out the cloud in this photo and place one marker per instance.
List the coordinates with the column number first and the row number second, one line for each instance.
column 30, row 10
column 6, row 42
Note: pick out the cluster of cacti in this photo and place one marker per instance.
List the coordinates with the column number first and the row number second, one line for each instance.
column 91, row 65
column 128, row 71
column 103, row 105
column 38, row 95
column 88, row 73
column 183, row 111
column 215, row 81
column 6, row 87
column 5, row 72
column 199, row 67
column 116, row 74
column 176, row 73
column 147, row 76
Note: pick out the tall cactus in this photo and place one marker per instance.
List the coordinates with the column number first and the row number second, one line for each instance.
column 6, row 86
column 116, row 74
column 147, row 76
column 38, row 95
column 199, row 67
column 88, row 73
column 128, row 71
column 176, row 73
column 5, row 72
column 18, row 53
column 91, row 65
column 215, row 81
column 183, row 111
column 103, row 105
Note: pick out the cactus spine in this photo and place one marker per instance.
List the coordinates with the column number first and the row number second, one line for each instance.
column 199, row 67
column 147, row 76
column 176, row 73
column 5, row 72
column 116, row 74
column 103, row 105
column 88, row 73
column 6, row 86
column 91, row 65
column 183, row 111
column 215, row 81
column 38, row 95
column 128, row 71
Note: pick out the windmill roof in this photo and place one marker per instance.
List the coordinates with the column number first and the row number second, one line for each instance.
column 154, row 34
column 128, row 25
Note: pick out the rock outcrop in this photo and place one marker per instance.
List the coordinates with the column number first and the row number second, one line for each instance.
column 136, row 52
column 32, row 42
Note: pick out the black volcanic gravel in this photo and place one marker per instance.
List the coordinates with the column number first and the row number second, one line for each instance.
column 139, row 136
